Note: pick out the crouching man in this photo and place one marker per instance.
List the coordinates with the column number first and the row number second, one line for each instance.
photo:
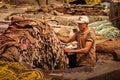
column 85, row 54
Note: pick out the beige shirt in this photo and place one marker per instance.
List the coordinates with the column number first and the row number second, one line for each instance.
column 85, row 58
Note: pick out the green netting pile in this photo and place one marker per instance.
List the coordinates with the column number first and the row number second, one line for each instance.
column 105, row 28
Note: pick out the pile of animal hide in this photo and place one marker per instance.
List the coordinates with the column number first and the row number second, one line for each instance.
column 32, row 42
column 85, row 10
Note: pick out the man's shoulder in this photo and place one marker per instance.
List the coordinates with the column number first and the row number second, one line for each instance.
column 91, row 32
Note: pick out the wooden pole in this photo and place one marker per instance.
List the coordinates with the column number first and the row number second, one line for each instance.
column 115, row 13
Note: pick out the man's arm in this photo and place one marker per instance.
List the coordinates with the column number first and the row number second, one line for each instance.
column 83, row 50
column 66, row 40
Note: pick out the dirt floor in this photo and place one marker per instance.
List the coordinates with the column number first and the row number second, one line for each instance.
column 106, row 67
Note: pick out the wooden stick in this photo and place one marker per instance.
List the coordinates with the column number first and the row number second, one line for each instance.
column 115, row 18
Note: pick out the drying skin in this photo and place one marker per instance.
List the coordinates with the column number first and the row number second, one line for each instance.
column 33, row 42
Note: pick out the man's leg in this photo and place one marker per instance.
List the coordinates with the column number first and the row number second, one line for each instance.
column 72, row 60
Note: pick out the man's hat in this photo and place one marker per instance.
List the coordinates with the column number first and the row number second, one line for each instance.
column 83, row 19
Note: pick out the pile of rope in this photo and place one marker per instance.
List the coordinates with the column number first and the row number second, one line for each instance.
column 17, row 71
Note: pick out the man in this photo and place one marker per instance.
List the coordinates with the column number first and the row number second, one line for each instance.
column 85, row 53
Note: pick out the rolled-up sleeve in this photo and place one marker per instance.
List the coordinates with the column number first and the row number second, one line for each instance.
column 90, row 37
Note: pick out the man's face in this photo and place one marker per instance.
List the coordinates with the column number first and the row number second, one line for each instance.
column 82, row 26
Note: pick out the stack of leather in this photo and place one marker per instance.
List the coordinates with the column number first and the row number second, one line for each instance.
column 32, row 42
column 84, row 10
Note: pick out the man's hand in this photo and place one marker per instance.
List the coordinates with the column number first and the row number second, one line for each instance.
column 67, row 50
